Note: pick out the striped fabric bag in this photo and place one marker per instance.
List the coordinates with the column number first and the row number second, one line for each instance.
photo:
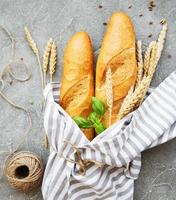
column 112, row 161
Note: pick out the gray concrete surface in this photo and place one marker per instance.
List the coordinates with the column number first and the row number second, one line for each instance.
column 60, row 19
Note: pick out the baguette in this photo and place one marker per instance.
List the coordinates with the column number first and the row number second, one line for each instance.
column 118, row 52
column 77, row 84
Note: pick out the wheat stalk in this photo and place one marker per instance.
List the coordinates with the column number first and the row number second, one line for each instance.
column 161, row 41
column 125, row 103
column 151, row 58
column 151, row 70
column 30, row 40
column 140, row 63
column 53, row 58
column 132, row 101
column 109, row 92
column 34, row 48
column 46, row 58
column 147, row 56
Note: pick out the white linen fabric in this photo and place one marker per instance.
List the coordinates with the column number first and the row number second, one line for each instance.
column 119, row 147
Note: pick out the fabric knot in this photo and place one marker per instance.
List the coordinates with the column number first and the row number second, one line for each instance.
column 83, row 163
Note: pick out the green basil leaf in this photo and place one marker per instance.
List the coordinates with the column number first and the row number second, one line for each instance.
column 82, row 122
column 98, row 106
column 99, row 127
column 93, row 117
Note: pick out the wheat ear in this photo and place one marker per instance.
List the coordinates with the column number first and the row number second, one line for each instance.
column 156, row 51
column 125, row 103
column 155, row 54
column 132, row 100
column 147, row 56
column 53, row 58
column 151, row 70
column 161, row 41
column 140, row 63
column 34, row 48
column 46, row 58
column 109, row 92
column 153, row 61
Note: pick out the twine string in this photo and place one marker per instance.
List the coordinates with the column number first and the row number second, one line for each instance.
column 9, row 69
column 26, row 160
column 12, row 39
column 83, row 163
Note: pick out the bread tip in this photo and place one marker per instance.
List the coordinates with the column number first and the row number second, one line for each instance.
column 83, row 34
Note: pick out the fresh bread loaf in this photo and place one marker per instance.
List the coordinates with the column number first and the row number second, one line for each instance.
column 77, row 84
column 117, row 53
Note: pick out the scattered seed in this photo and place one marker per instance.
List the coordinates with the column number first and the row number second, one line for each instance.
column 140, row 15
column 150, row 8
column 163, row 21
column 100, row 6
column 129, row 7
column 150, row 35
column 150, row 23
column 151, row 5
column 104, row 23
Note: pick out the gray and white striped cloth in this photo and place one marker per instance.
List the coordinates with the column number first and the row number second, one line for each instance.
column 118, row 147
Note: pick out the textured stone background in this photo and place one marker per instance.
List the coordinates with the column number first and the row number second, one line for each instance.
column 60, row 19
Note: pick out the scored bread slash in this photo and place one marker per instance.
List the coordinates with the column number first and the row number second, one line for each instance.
column 109, row 93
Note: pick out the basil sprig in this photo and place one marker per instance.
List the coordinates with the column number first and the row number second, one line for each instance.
column 94, row 118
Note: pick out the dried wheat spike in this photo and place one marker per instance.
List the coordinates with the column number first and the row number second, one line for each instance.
column 140, row 63
column 125, row 102
column 161, row 41
column 46, row 58
column 34, row 48
column 30, row 40
column 46, row 55
column 151, row 70
column 147, row 56
column 153, row 60
column 133, row 100
column 53, row 58
column 109, row 92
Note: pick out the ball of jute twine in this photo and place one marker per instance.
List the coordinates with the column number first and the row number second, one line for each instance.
column 24, row 171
